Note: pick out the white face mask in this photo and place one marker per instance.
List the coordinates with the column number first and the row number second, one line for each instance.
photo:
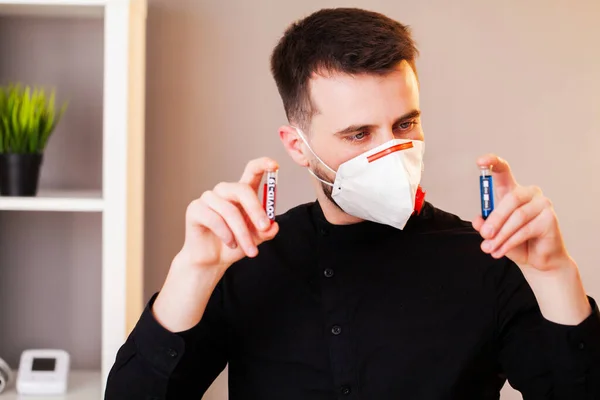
column 381, row 184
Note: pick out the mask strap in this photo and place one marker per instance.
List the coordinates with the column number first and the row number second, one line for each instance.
column 315, row 175
column 314, row 154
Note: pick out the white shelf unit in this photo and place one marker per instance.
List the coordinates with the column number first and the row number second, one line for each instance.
column 120, row 199
column 83, row 385
column 56, row 200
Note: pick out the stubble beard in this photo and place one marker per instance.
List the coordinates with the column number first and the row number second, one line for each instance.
column 327, row 190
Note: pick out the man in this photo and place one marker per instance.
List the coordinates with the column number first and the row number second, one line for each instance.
column 359, row 295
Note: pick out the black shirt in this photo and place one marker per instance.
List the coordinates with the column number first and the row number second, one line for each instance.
column 365, row 311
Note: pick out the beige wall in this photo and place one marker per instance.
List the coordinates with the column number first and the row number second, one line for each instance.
column 512, row 77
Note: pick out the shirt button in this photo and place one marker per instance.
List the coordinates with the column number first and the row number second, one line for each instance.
column 328, row 272
column 172, row 353
column 345, row 390
column 336, row 330
column 581, row 346
column 324, row 232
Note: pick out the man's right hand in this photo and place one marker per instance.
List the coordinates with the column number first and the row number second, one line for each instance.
column 228, row 223
column 223, row 226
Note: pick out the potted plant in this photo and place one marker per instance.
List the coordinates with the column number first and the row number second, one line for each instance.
column 27, row 120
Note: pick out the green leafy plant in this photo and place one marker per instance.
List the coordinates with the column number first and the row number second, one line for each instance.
column 27, row 118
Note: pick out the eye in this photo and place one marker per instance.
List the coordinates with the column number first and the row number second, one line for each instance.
column 406, row 125
column 358, row 137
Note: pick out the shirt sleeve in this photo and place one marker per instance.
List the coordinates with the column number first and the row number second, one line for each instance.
column 542, row 359
column 155, row 363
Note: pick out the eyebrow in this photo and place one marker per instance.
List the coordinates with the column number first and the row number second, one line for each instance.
column 357, row 128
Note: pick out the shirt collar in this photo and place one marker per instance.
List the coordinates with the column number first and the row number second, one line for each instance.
column 365, row 228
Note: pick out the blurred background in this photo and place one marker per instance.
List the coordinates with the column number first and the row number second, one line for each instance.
column 520, row 79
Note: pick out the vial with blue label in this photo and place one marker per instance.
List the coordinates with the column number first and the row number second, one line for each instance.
column 486, row 189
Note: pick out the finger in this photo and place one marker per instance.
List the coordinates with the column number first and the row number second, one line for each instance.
column 244, row 195
column 234, row 219
column 269, row 234
column 199, row 214
column 262, row 236
column 504, row 181
column 505, row 208
column 519, row 218
column 255, row 170
column 527, row 232
column 478, row 222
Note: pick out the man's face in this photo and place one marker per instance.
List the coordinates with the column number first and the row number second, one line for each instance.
column 358, row 113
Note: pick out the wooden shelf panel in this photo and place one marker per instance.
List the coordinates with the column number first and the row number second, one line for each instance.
column 81, row 385
column 61, row 200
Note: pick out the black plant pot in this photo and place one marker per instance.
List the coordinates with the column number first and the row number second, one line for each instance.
column 19, row 174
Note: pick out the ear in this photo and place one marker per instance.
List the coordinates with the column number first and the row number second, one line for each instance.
column 293, row 144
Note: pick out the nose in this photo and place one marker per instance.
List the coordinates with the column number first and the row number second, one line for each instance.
column 386, row 136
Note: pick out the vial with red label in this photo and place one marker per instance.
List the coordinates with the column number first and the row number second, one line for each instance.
column 270, row 194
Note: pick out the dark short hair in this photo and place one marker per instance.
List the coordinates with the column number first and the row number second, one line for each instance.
column 336, row 40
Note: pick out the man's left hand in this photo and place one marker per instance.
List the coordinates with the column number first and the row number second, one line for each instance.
column 524, row 228
column 523, row 225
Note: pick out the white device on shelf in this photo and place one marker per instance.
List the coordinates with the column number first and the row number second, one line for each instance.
column 43, row 372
